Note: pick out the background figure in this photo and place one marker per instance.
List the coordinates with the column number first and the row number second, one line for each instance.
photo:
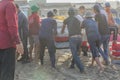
column 104, row 32
column 75, row 40
column 34, row 26
column 55, row 12
column 23, row 33
column 47, row 33
column 80, row 17
column 93, row 37
column 111, row 22
column 9, row 39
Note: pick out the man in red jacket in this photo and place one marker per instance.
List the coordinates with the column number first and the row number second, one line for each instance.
column 8, row 39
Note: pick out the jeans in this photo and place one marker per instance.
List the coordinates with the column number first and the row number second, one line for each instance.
column 49, row 43
column 7, row 63
column 75, row 43
column 94, row 45
column 105, row 43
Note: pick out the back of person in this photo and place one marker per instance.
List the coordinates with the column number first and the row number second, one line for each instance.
column 102, row 24
column 47, row 27
column 34, row 22
column 91, row 29
column 7, row 37
column 73, row 25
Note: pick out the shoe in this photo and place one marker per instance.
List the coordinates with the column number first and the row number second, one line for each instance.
column 71, row 67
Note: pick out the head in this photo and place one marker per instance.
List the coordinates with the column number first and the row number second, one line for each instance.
column 55, row 11
column 34, row 9
column 89, row 15
column 82, row 9
column 50, row 14
column 96, row 9
column 107, row 6
column 17, row 6
column 71, row 11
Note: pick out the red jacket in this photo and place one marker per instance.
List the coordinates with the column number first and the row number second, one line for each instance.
column 8, row 24
column 34, row 24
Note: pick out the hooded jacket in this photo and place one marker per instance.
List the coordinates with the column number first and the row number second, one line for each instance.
column 8, row 24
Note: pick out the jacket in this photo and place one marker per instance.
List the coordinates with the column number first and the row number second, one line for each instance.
column 8, row 25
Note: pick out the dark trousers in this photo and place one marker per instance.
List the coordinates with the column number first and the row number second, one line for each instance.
column 26, row 53
column 49, row 43
column 7, row 63
column 115, row 32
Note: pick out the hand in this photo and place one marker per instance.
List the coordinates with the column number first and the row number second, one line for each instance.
column 19, row 48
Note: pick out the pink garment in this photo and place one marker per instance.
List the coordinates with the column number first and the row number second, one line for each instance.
column 8, row 24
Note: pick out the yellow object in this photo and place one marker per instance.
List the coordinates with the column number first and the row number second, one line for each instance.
column 59, row 17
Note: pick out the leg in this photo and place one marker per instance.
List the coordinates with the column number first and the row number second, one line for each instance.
column 95, row 53
column 74, row 42
column 106, row 48
column 51, row 50
column 37, row 48
column 7, row 64
column 42, row 49
column 31, row 41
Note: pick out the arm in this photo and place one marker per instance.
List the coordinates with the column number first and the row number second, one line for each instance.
column 64, row 26
column 11, row 18
column 25, row 26
column 55, row 28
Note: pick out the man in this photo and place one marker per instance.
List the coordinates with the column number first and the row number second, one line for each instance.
column 47, row 33
column 73, row 25
column 23, row 33
column 93, row 37
column 104, row 32
column 80, row 17
column 8, row 39
column 34, row 25
column 111, row 22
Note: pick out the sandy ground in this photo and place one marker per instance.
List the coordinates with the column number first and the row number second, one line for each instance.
column 32, row 71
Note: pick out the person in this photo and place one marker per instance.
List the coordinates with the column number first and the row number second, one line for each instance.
column 47, row 33
column 93, row 37
column 9, row 39
column 34, row 26
column 104, row 32
column 23, row 33
column 55, row 12
column 75, row 40
column 111, row 22
column 102, row 11
column 80, row 17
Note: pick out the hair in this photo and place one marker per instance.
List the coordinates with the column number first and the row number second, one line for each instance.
column 50, row 14
column 82, row 7
column 97, row 8
column 71, row 11
column 55, row 10
column 17, row 6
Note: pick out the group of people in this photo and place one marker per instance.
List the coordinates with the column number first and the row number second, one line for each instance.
column 16, row 29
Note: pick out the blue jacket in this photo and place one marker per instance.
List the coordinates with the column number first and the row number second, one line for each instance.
column 22, row 25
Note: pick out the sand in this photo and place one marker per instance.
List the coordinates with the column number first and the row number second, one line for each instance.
column 33, row 71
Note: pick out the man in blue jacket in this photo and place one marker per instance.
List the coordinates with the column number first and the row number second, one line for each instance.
column 23, row 33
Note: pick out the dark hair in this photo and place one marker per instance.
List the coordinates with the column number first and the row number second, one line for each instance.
column 55, row 10
column 50, row 14
column 17, row 6
column 82, row 7
column 71, row 11
column 97, row 8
